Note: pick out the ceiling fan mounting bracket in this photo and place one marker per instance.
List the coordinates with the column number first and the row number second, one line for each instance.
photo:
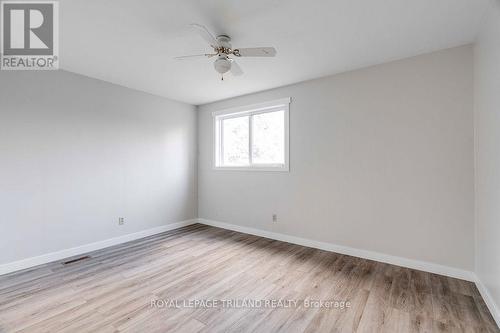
column 224, row 37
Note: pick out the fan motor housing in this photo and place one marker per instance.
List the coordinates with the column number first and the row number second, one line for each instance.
column 224, row 41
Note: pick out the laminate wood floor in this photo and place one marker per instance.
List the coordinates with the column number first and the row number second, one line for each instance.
column 151, row 285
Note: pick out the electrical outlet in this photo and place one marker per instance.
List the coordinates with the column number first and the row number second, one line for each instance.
column 121, row 221
column 275, row 218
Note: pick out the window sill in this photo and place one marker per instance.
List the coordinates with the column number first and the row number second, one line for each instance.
column 268, row 169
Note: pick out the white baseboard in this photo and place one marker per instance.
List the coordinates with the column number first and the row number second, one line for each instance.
column 488, row 299
column 59, row 255
column 399, row 261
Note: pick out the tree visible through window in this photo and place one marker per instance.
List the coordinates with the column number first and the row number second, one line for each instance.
column 256, row 138
column 268, row 144
column 236, row 135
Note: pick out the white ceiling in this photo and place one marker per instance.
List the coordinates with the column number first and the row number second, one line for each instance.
column 132, row 43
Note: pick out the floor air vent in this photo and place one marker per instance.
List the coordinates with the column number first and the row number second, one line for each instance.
column 75, row 260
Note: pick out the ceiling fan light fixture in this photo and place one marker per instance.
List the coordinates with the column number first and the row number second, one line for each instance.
column 222, row 65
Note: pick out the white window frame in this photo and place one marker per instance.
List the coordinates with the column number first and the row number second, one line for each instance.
column 266, row 107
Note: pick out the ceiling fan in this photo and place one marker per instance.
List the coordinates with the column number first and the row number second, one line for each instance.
column 222, row 48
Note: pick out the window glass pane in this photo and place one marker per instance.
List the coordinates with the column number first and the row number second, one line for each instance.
column 268, row 138
column 235, row 139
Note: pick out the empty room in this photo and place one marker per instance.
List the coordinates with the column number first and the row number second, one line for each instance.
column 249, row 166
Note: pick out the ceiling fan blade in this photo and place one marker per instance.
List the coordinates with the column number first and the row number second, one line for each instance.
column 235, row 68
column 255, row 52
column 195, row 56
column 205, row 34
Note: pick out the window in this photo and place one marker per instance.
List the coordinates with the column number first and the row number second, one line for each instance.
column 253, row 137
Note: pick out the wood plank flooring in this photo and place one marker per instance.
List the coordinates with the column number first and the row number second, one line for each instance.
column 132, row 287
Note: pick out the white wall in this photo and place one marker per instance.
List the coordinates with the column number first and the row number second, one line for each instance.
column 77, row 153
column 381, row 159
column 487, row 132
